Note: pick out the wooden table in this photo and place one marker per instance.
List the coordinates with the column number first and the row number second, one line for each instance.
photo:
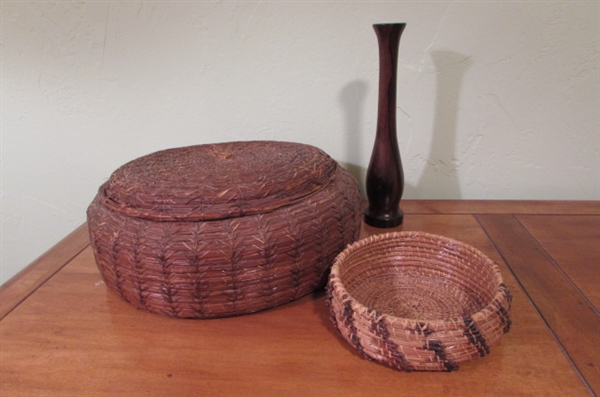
column 64, row 334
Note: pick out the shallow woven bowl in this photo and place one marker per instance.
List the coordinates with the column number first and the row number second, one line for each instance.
column 418, row 301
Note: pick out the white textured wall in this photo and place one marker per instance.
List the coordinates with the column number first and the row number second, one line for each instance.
column 496, row 100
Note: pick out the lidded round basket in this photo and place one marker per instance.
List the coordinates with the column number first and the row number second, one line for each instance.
column 223, row 229
column 418, row 301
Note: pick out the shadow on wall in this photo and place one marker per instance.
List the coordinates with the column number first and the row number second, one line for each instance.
column 440, row 178
column 352, row 97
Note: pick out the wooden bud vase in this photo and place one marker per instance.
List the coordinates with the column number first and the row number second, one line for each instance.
column 385, row 177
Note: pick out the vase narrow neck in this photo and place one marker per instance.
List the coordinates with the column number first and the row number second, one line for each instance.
column 388, row 37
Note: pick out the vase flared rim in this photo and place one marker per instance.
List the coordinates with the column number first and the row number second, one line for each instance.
column 390, row 24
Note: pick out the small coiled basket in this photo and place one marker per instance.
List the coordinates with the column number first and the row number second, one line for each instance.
column 417, row 301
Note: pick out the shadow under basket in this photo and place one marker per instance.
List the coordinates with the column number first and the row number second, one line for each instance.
column 417, row 301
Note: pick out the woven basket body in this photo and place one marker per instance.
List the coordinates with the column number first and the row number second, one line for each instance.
column 416, row 301
column 222, row 230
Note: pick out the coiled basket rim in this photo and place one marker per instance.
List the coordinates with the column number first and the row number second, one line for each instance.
column 337, row 283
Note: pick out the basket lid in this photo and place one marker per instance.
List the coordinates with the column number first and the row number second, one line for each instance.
column 217, row 181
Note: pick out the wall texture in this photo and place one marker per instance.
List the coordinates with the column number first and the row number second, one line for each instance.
column 496, row 99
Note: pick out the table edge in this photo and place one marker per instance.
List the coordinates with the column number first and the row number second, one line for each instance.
column 28, row 280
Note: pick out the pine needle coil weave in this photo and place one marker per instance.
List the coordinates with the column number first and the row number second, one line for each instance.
column 417, row 301
column 222, row 230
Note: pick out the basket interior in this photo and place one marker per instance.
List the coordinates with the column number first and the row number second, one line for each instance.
column 419, row 277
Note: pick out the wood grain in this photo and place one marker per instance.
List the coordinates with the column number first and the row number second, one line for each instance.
column 37, row 273
column 575, row 249
column 568, row 313
column 72, row 337
column 500, row 207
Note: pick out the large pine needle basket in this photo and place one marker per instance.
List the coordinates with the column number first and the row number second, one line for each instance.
column 224, row 229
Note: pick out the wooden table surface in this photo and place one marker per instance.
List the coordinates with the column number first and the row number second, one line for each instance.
column 63, row 333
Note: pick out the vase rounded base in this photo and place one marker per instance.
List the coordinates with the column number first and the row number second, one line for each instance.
column 384, row 220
